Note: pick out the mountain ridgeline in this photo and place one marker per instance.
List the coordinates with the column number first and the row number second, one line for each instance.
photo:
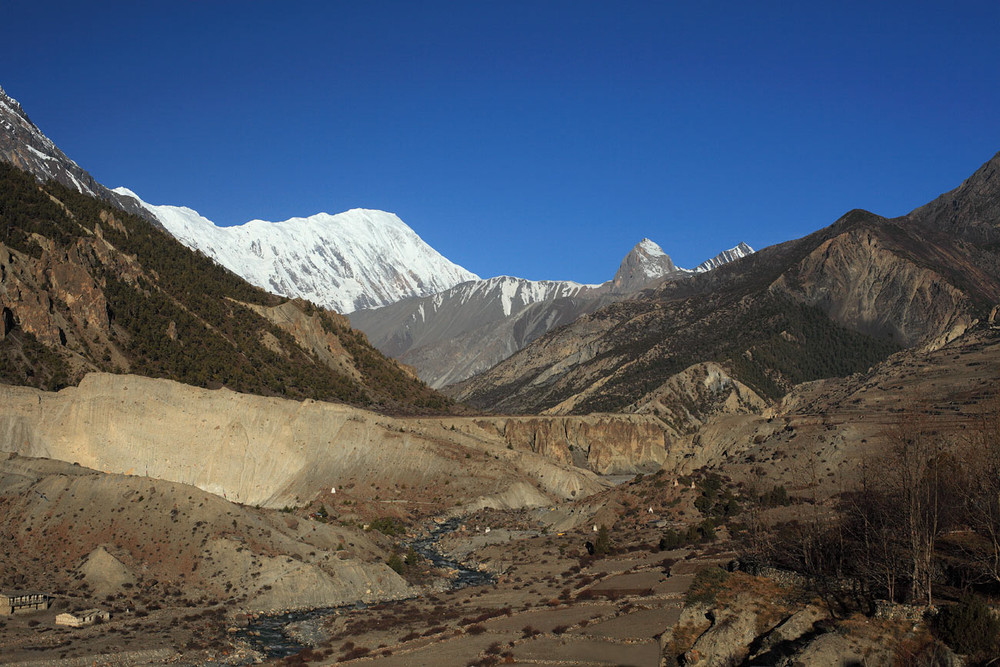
column 87, row 287
column 454, row 334
column 829, row 304
column 356, row 259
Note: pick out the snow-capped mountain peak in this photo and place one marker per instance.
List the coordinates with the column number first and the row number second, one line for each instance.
column 724, row 257
column 357, row 259
column 650, row 248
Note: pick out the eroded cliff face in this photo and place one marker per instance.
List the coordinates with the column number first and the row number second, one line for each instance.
column 606, row 444
column 265, row 451
column 644, row 438
column 864, row 285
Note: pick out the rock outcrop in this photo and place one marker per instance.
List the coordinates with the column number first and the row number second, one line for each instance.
column 54, row 298
column 692, row 397
column 756, row 621
column 309, row 332
column 869, row 287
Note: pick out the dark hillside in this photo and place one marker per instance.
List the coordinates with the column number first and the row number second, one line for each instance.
column 87, row 287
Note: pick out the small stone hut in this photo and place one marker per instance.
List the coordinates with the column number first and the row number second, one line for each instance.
column 82, row 618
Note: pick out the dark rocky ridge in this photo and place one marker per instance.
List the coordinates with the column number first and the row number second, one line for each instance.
column 23, row 145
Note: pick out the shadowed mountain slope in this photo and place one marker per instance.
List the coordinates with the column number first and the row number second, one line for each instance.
column 829, row 304
column 23, row 145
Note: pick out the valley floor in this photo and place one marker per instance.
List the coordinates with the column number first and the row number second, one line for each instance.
column 552, row 603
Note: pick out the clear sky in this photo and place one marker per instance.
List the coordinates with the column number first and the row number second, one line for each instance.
column 541, row 139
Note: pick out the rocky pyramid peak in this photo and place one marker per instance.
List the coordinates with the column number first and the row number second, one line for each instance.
column 643, row 265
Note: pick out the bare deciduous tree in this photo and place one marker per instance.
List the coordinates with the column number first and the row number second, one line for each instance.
column 981, row 490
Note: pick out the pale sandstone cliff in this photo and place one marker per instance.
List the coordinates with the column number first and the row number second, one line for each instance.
column 266, row 451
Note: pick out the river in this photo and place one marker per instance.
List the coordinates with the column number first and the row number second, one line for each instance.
column 268, row 634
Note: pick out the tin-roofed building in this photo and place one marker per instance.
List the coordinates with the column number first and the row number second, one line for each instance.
column 23, row 602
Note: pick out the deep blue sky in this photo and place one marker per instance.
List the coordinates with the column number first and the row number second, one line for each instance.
column 541, row 139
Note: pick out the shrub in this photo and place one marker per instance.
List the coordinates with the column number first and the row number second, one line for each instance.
column 388, row 526
column 706, row 585
column 776, row 497
column 671, row 540
column 603, row 543
column 396, row 563
column 357, row 652
column 969, row 627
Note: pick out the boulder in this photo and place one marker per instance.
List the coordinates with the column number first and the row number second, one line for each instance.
column 792, row 628
column 727, row 641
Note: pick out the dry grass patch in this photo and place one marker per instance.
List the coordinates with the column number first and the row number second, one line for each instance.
column 771, row 601
column 684, row 637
